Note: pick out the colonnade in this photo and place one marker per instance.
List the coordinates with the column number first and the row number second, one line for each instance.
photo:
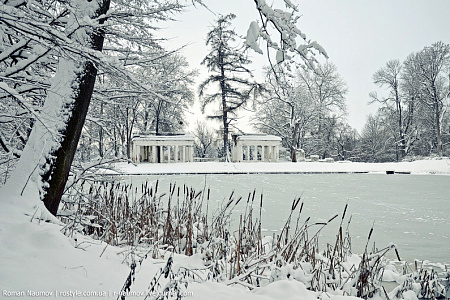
column 258, row 153
column 264, row 148
column 165, row 153
column 162, row 149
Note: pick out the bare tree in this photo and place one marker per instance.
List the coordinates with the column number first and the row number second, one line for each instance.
column 325, row 90
column 204, row 140
column 414, row 109
column 430, row 66
column 303, row 108
column 171, row 79
column 284, row 110
column 376, row 143
column 390, row 76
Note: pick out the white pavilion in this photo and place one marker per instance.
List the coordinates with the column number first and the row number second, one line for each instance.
column 255, row 147
column 162, row 148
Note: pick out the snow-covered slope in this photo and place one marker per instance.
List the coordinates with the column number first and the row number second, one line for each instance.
column 35, row 257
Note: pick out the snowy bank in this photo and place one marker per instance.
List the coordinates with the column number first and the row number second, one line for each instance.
column 39, row 262
column 431, row 166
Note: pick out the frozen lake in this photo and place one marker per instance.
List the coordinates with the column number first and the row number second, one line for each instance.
column 411, row 211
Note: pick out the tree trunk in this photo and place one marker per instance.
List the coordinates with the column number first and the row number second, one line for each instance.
column 224, row 105
column 115, row 134
column 438, row 129
column 127, row 133
column 157, row 125
column 52, row 145
column 58, row 172
column 146, row 120
column 294, row 142
column 402, row 147
column 100, row 134
column 225, row 135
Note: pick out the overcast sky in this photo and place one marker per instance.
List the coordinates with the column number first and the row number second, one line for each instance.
column 360, row 36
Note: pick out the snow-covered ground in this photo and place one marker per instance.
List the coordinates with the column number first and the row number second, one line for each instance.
column 431, row 166
column 37, row 261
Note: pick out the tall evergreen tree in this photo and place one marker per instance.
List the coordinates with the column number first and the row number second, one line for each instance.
column 227, row 65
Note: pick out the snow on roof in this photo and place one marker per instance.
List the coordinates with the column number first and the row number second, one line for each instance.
column 258, row 137
column 175, row 137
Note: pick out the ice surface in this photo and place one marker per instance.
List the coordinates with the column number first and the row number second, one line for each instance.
column 393, row 203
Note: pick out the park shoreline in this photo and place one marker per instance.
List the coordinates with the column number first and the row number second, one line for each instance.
column 420, row 167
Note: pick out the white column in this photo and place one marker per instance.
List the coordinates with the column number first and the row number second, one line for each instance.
column 263, row 158
column 153, row 158
column 161, row 154
column 239, row 152
column 175, row 153
column 263, row 152
column 168, row 153
column 186, row 153
column 145, row 153
column 135, row 153
column 182, row 153
column 190, row 154
column 256, row 152
column 266, row 153
column 247, row 153
column 233, row 153
column 141, row 153
column 269, row 153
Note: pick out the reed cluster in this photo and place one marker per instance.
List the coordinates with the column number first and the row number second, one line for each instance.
column 183, row 221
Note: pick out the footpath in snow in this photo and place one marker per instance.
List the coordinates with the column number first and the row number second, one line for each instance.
column 431, row 166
